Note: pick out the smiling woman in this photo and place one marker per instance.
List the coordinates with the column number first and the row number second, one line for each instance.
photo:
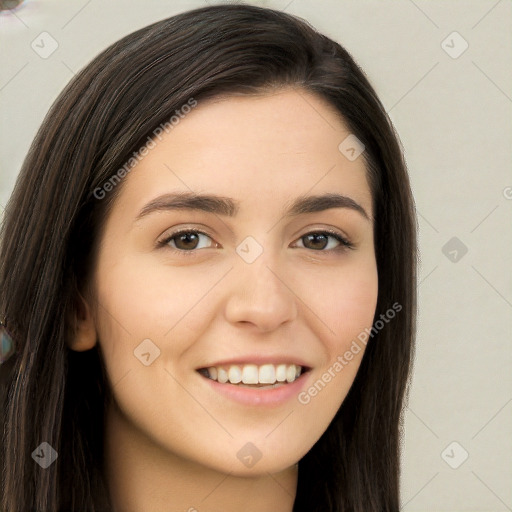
column 168, row 329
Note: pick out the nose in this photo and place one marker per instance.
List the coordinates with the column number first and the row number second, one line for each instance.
column 260, row 296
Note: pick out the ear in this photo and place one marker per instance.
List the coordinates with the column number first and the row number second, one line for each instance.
column 83, row 329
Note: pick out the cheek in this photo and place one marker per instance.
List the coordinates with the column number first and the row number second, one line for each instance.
column 129, row 310
column 345, row 302
column 147, row 297
column 346, row 308
column 353, row 309
column 139, row 299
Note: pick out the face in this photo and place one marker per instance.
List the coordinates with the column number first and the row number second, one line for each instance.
column 262, row 280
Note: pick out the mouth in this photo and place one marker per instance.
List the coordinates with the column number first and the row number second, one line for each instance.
column 265, row 376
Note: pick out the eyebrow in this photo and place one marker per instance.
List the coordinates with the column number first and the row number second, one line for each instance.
column 227, row 206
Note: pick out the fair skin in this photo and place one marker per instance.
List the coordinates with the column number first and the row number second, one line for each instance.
column 173, row 438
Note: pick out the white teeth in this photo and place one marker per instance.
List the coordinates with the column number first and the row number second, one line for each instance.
column 235, row 374
column 250, row 374
column 267, row 374
column 290, row 373
column 281, row 372
column 222, row 375
column 254, row 374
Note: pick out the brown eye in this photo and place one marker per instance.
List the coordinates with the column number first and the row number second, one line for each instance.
column 188, row 240
column 317, row 241
column 324, row 241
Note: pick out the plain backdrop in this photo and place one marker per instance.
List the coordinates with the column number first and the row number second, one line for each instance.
column 443, row 72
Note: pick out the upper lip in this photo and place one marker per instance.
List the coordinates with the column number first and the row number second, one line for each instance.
column 258, row 360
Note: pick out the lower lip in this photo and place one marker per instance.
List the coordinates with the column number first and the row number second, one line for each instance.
column 259, row 396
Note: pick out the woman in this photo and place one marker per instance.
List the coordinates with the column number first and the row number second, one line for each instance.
column 208, row 274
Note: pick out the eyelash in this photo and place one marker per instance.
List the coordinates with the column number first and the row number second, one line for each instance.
column 344, row 243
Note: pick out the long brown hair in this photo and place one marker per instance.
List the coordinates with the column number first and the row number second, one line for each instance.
column 52, row 222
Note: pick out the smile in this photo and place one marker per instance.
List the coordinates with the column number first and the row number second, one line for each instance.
column 252, row 375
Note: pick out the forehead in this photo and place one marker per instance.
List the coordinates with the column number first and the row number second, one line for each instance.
column 268, row 147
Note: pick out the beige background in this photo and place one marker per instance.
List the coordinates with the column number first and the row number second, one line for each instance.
column 454, row 119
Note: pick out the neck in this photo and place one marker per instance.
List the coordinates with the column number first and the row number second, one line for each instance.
column 142, row 475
